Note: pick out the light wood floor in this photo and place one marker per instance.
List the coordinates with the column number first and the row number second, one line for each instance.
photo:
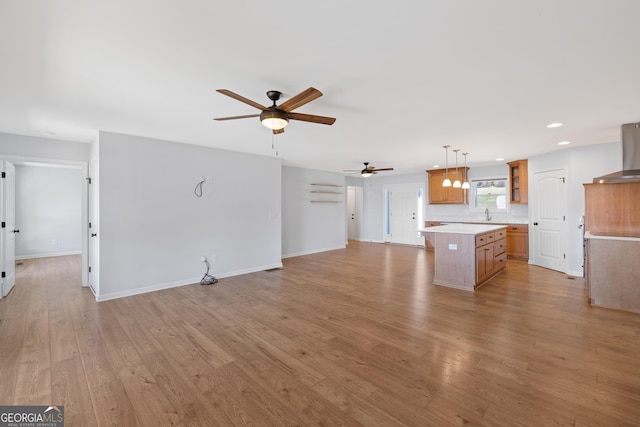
column 348, row 337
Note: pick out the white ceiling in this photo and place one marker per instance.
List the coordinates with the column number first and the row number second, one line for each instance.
column 402, row 78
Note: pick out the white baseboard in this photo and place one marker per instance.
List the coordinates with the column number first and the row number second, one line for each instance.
column 52, row 254
column 575, row 273
column 315, row 251
column 177, row 283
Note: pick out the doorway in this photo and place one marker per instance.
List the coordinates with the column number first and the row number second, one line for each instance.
column 403, row 213
column 33, row 241
column 549, row 203
column 355, row 205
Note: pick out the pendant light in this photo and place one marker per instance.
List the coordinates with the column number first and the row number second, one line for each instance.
column 447, row 181
column 465, row 184
column 456, row 183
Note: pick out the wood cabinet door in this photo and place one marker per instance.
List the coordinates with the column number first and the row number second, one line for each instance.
column 437, row 193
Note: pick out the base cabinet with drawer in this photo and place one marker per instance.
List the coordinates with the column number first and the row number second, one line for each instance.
column 490, row 255
column 518, row 242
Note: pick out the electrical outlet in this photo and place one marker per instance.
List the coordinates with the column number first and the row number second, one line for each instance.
column 214, row 258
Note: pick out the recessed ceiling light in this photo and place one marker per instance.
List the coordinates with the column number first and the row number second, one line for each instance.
column 564, row 143
column 554, row 125
column 499, row 159
column 436, row 166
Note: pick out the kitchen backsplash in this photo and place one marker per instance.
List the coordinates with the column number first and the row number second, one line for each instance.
column 462, row 212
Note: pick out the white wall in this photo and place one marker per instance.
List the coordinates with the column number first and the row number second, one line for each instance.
column 43, row 148
column 582, row 165
column 154, row 230
column 48, row 211
column 309, row 227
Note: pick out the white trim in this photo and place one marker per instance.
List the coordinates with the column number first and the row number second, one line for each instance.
column 51, row 254
column 178, row 283
column 315, row 251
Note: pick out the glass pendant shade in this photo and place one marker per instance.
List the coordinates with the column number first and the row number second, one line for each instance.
column 457, row 184
column 446, row 182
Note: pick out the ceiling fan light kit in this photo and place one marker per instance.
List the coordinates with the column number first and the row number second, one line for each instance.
column 274, row 119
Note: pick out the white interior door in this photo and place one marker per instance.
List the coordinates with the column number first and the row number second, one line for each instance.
column 94, row 247
column 549, row 219
column 354, row 213
column 8, row 245
column 404, row 213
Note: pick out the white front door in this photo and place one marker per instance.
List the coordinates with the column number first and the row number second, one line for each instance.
column 549, row 219
column 8, row 244
column 403, row 213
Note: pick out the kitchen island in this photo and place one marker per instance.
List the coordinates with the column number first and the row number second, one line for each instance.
column 613, row 279
column 467, row 255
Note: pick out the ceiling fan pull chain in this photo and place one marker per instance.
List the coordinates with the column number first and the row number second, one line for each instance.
column 274, row 143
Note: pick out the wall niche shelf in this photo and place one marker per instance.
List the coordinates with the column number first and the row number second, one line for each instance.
column 331, row 190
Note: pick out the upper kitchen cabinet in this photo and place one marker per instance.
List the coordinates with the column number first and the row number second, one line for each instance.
column 518, row 181
column 439, row 195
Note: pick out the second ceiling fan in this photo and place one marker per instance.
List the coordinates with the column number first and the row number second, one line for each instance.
column 369, row 170
column 276, row 117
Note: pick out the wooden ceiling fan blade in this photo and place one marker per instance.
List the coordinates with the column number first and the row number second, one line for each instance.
column 236, row 117
column 241, row 98
column 300, row 99
column 382, row 169
column 312, row 118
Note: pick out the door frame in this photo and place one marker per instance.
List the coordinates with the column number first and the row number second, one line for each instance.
column 534, row 199
column 358, row 206
column 8, row 207
column 84, row 167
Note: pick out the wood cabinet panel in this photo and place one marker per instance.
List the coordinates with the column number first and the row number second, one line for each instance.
column 518, row 181
column 446, row 195
column 612, row 209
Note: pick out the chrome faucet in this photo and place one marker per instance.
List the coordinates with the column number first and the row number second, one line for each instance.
column 486, row 212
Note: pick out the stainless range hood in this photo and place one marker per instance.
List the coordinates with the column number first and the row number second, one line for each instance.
column 630, row 134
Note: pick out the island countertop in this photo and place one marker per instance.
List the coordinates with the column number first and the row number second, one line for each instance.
column 462, row 228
